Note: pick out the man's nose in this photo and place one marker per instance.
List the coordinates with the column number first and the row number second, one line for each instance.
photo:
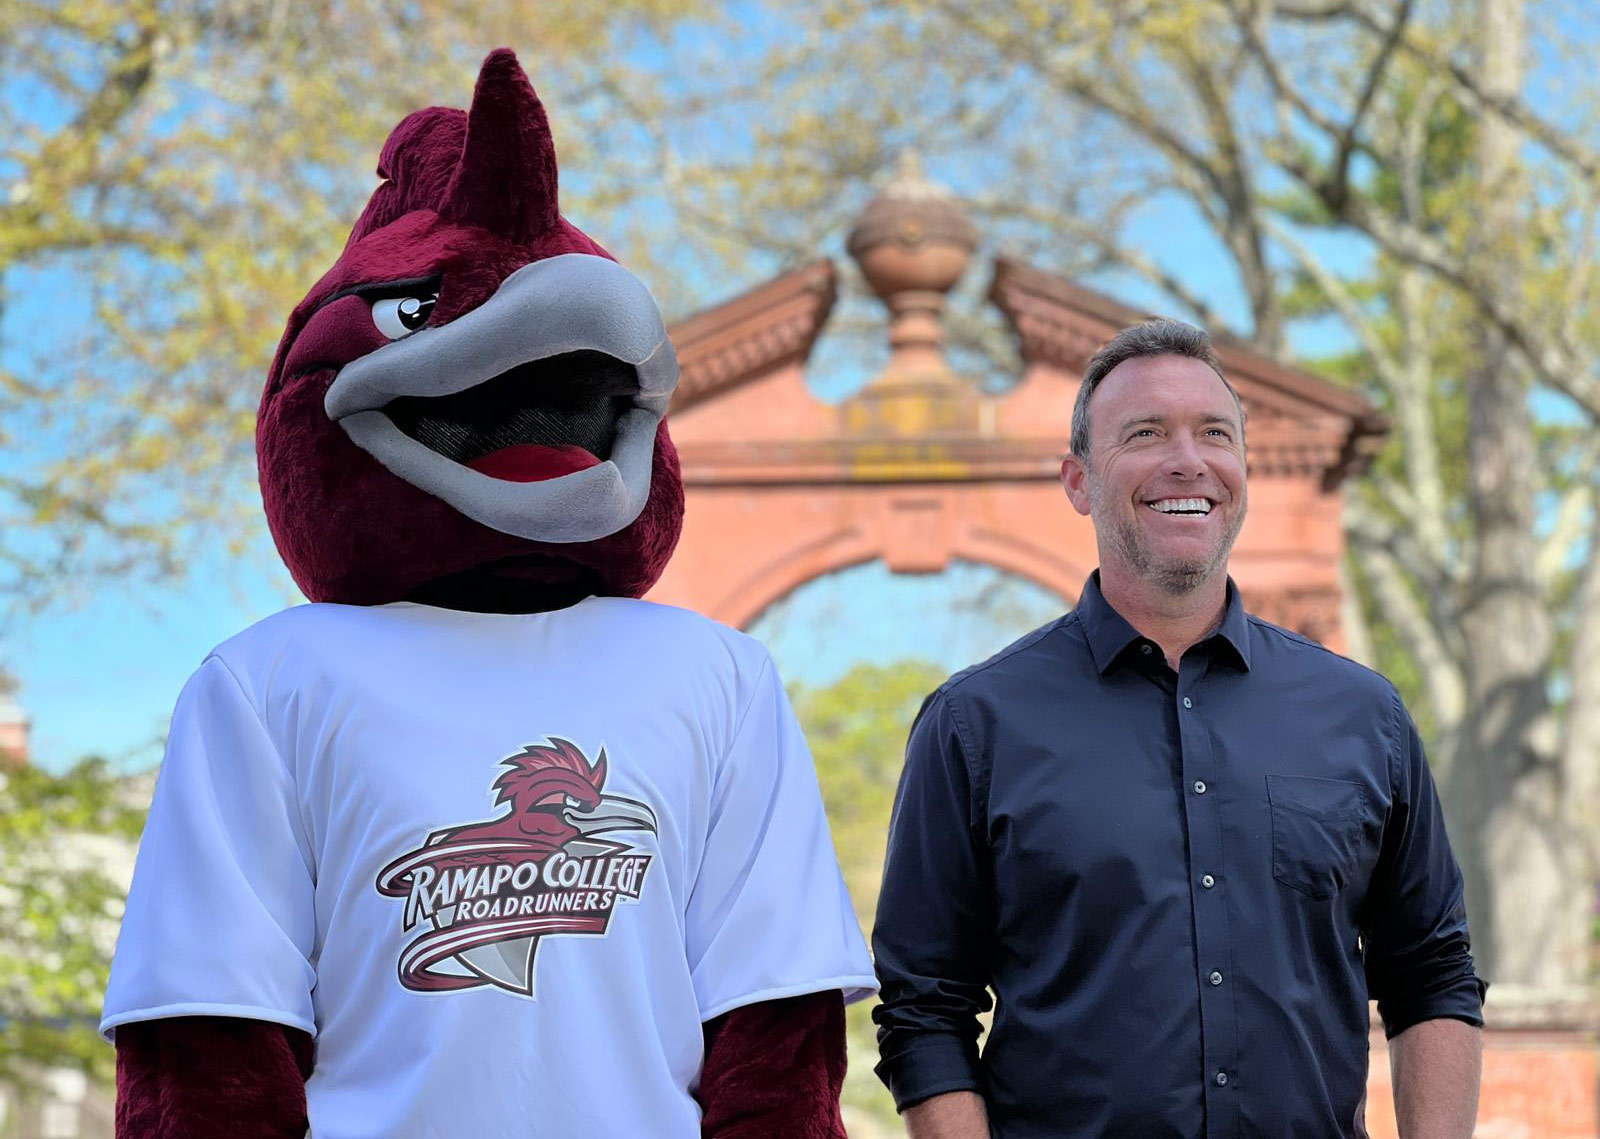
column 1184, row 459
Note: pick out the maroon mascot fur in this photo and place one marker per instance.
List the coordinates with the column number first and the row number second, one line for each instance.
column 511, row 460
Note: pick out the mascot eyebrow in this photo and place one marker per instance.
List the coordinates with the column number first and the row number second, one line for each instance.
column 424, row 289
column 396, row 288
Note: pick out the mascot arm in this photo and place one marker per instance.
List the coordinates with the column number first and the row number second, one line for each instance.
column 775, row 1068
column 206, row 1077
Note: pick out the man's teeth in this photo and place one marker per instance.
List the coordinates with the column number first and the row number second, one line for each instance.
column 1182, row 506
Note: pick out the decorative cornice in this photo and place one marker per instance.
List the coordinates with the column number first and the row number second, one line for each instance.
column 868, row 460
column 771, row 325
column 1312, row 612
column 947, row 458
column 1360, row 448
column 1062, row 325
column 1283, row 448
column 1056, row 322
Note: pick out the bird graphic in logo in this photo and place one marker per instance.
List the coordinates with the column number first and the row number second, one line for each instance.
column 486, row 892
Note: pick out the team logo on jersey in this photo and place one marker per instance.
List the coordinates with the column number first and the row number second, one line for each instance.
column 485, row 893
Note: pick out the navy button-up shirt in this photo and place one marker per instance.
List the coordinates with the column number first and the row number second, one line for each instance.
column 1181, row 888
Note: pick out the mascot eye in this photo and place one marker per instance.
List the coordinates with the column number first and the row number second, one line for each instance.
column 401, row 316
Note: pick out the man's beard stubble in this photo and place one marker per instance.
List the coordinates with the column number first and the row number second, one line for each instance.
column 1175, row 577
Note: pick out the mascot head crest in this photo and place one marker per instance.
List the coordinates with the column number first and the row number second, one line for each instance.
column 469, row 406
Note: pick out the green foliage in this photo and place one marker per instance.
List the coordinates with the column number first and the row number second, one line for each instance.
column 62, row 840
column 857, row 730
column 1450, row 136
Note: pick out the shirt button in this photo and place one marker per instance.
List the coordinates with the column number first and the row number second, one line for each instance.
column 1222, row 1079
column 1208, row 881
column 1215, row 978
column 1188, row 703
column 1199, row 786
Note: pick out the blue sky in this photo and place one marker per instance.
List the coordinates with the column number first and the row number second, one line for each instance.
column 100, row 679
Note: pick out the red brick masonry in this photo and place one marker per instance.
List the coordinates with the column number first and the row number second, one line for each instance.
column 1537, row 1084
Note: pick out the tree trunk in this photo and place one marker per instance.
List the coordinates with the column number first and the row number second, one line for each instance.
column 1580, row 763
column 1503, row 793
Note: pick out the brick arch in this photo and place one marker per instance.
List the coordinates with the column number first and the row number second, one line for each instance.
column 1062, row 574
column 922, row 468
column 769, row 580
column 766, row 576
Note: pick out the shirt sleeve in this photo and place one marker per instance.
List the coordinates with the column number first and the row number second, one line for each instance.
column 220, row 918
column 1418, row 952
column 768, row 915
column 934, row 920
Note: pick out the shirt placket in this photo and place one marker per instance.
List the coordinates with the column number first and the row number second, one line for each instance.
column 1208, row 885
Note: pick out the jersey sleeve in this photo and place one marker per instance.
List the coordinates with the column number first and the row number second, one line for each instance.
column 220, row 918
column 768, row 915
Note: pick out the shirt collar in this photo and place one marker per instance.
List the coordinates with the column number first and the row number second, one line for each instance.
column 1110, row 635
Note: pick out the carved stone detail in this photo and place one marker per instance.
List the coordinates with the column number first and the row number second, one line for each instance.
column 766, row 328
column 1312, row 612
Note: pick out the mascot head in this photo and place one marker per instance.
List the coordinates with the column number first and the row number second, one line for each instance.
column 468, row 407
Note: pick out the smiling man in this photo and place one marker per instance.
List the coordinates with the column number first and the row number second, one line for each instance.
column 1180, row 846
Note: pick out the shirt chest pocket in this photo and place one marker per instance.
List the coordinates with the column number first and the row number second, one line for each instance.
column 1320, row 830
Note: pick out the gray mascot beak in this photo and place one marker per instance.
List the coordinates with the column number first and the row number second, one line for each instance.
column 612, row 813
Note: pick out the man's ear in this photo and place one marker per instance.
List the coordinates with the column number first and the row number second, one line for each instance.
column 1075, row 478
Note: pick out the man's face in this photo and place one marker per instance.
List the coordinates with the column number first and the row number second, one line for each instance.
column 1164, row 478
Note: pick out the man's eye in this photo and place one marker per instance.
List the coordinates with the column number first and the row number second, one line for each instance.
column 401, row 316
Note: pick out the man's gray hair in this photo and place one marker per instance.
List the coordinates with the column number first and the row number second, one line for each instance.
column 1159, row 337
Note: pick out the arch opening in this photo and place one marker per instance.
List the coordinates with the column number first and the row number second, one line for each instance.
column 868, row 614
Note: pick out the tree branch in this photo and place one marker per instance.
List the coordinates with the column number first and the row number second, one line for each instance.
column 1344, row 302
column 1442, row 678
column 1423, row 504
column 1357, row 636
column 65, row 158
column 1340, row 177
column 1573, row 515
column 1090, row 89
column 1554, row 357
column 1284, row 92
column 1508, row 107
column 1241, row 227
column 1580, row 747
column 1114, row 252
column 1558, row 362
column 1571, row 520
column 1576, row 294
column 1315, row 12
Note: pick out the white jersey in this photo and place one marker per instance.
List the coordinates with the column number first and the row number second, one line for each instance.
column 503, row 866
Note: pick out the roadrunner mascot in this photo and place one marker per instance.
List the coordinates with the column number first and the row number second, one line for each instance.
column 480, row 844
